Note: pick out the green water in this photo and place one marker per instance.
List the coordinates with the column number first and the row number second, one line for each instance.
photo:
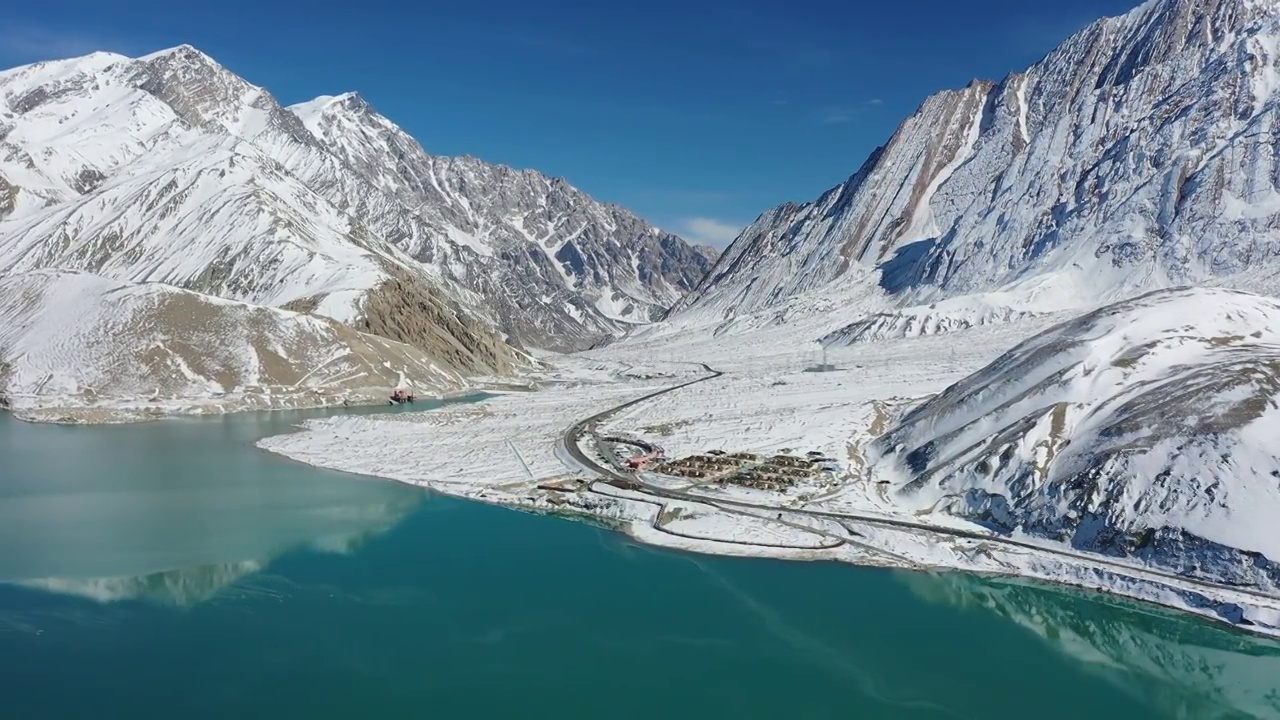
column 173, row 570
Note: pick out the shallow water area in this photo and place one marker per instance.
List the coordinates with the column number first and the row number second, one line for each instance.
column 174, row 565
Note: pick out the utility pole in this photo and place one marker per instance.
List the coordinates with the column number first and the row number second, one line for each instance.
column 523, row 464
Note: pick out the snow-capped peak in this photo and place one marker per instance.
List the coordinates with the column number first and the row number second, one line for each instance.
column 352, row 101
column 92, row 62
column 184, row 51
column 351, row 105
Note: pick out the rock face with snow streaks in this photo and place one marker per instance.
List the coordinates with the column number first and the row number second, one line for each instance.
column 1142, row 153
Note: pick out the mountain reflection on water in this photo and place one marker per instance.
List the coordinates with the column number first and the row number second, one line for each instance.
column 1182, row 665
column 192, row 584
column 172, row 511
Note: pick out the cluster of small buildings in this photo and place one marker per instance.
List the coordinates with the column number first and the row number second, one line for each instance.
column 780, row 472
column 699, row 466
column 776, row 473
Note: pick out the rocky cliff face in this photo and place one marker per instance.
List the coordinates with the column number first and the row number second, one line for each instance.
column 1141, row 153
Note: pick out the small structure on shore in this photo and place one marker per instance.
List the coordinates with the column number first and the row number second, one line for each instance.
column 823, row 366
column 642, row 462
column 400, row 396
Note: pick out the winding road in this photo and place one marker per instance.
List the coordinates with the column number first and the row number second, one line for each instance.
column 574, row 434
column 572, row 443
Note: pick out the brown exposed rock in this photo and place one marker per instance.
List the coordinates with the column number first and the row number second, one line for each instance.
column 408, row 310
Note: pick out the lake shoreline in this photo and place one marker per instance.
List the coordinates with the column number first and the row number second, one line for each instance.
column 509, row 451
column 171, row 554
column 132, row 411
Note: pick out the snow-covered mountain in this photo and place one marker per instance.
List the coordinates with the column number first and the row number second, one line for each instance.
column 170, row 168
column 1140, row 154
column 86, row 348
column 150, row 170
column 1144, row 429
column 560, row 269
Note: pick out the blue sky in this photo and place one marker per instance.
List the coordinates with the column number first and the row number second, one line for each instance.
column 697, row 114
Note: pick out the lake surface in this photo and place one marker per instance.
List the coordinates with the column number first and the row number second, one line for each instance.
column 174, row 570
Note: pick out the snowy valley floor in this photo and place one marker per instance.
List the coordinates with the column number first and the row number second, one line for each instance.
column 514, row 450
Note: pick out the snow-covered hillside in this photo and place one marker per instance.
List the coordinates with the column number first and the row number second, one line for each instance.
column 1140, row 154
column 140, row 170
column 1144, row 429
column 82, row 347
column 170, row 168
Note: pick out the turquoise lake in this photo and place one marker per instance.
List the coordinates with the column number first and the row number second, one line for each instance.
column 174, row 570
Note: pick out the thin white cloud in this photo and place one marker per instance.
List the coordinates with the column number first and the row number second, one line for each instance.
column 840, row 116
column 708, row 231
column 836, row 117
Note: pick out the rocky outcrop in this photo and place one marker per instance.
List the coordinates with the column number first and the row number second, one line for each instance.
column 411, row 312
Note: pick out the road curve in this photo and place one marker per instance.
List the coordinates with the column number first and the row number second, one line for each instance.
column 574, row 434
